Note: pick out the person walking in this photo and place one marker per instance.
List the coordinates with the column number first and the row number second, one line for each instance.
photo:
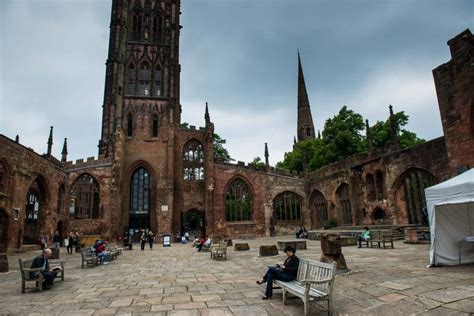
column 57, row 240
column 70, row 244
column 151, row 238
column 143, row 239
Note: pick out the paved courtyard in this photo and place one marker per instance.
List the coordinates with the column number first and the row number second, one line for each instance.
column 180, row 281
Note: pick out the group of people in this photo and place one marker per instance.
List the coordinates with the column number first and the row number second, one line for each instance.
column 202, row 242
column 73, row 241
column 99, row 248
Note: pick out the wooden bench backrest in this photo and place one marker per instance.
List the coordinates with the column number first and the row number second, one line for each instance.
column 86, row 252
column 315, row 270
column 25, row 264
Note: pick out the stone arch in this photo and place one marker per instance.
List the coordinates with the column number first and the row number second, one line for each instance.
column 287, row 207
column 238, row 199
column 85, row 196
column 193, row 156
column 410, row 201
column 370, row 187
column 343, row 205
column 194, row 222
column 4, row 224
column 318, row 206
column 379, row 185
column 36, row 206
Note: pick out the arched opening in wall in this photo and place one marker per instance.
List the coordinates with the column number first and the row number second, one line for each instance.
column 379, row 184
column 410, row 195
column 60, row 229
column 370, row 187
column 287, row 208
column 193, row 222
column 319, row 209
column 85, row 197
column 4, row 221
column 379, row 216
column 34, row 211
column 59, row 203
column 140, row 198
column 193, row 161
column 344, row 208
column 238, row 201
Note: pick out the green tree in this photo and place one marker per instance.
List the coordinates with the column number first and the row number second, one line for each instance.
column 382, row 135
column 257, row 163
column 220, row 152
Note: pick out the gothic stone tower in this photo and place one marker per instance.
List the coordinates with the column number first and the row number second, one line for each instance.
column 305, row 120
column 141, row 109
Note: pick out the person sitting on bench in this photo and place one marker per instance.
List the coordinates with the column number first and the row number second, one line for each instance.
column 365, row 236
column 42, row 262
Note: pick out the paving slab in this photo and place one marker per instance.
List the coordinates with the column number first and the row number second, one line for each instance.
column 180, row 281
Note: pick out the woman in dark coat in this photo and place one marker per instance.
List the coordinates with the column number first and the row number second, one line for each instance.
column 287, row 272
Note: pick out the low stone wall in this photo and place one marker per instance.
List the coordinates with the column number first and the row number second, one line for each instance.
column 417, row 235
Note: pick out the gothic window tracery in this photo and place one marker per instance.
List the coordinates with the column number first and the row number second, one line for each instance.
column 287, row 207
column 85, row 197
column 140, row 192
column 319, row 208
column 32, row 206
column 238, row 202
column 144, row 83
column 193, row 161
column 157, row 27
column 137, row 26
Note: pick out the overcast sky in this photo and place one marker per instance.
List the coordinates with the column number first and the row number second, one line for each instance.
column 241, row 57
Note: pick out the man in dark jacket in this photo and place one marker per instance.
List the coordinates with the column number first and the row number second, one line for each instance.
column 42, row 262
column 286, row 273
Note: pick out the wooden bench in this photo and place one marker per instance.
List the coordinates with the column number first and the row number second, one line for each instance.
column 314, row 282
column 381, row 237
column 89, row 258
column 219, row 251
column 25, row 269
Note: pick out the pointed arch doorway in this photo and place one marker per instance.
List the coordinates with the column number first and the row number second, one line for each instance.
column 140, row 197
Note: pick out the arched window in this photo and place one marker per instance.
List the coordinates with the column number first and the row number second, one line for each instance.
column 157, row 27
column 411, row 190
column 140, row 192
column 193, row 161
column 287, row 207
column 32, row 206
column 370, row 187
column 130, row 124
column 154, row 127
column 379, row 185
column 344, row 204
column 132, row 77
column 238, row 201
column 379, row 215
column 59, row 203
column 319, row 208
column 137, row 26
column 144, row 83
column 157, row 81
column 3, row 176
column 85, row 197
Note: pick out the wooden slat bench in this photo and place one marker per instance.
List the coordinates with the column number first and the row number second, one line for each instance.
column 381, row 237
column 25, row 269
column 89, row 258
column 219, row 251
column 314, row 282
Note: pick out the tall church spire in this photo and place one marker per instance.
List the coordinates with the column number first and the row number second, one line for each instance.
column 50, row 141
column 305, row 120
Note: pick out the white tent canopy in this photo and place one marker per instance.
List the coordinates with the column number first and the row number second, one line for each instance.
column 450, row 207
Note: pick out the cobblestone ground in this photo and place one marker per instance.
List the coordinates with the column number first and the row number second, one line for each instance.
column 180, row 281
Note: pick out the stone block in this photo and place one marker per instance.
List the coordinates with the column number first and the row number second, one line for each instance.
column 241, row 247
column 268, row 250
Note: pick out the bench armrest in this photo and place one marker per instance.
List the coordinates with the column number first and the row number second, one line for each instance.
column 316, row 281
column 33, row 270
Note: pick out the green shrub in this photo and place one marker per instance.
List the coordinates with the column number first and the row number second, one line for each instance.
column 330, row 223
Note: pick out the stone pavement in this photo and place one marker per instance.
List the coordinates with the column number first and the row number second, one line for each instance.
column 180, row 281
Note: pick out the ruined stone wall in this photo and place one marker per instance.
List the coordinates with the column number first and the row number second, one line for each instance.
column 264, row 187
column 454, row 82
column 24, row 166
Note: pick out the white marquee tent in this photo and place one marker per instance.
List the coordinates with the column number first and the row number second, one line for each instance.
column 451, row 214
